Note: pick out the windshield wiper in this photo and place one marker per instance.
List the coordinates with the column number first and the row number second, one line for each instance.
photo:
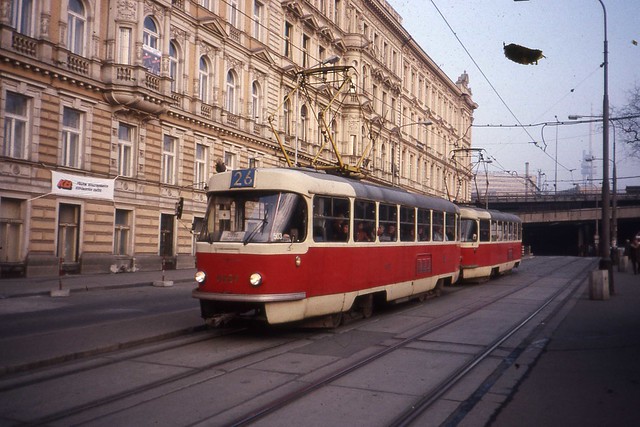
column 258, row 226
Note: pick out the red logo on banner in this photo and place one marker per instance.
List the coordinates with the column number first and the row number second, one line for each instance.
column 65, row 184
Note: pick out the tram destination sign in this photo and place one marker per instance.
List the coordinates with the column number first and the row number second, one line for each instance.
column 243, row 178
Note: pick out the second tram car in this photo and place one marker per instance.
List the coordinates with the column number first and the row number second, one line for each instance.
column 284, row 245
column 490, row 243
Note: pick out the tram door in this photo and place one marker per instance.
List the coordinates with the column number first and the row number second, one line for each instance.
column 167, row 233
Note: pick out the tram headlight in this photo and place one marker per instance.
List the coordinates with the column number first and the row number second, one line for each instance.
column 200, row 277
column 255, row 279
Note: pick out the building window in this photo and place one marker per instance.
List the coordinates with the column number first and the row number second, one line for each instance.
column 233, row 12
column 230, row 160
column 24, row 17
column 71, row 137
column 230, row 101
column 207, row 4
column 255, row 101
column 306, row 41
column 200, row 169
column 304, row 123
column 169, row 160
column 336, row 12
column 76, row 27
column 258, row 10
column 150, row 46
column 68, row 232
column 288, row 33
column 203, row 79
column 11, row 223
column 125, row 149
column 122, row 232
column 254, row 162
column 124, row 51
column 15, row 126
column 173, row 66
column 286, row 111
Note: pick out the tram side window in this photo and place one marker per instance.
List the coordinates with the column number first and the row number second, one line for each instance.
column 450, row 226
column 494, row 231
column 424, row 225
column 330, row 219
column 438, row 226
column 484, row 230
column 388, row 223
column 364, row 219
column 469, row 230
column 407, row 224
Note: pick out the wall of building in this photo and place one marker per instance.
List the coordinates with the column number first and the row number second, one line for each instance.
column 149, row 94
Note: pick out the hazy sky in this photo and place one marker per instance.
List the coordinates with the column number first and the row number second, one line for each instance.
column 569, row 80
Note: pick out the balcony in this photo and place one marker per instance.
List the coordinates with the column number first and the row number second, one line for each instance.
column 135, row 87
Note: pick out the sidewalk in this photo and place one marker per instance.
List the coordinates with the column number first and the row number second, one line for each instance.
column 589, row 372
column 22, row 287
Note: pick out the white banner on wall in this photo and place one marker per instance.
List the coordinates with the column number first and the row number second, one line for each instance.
column 65, row 184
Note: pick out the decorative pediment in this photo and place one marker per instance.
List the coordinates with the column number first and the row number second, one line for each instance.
column 294, row 7
column 377, row 74
column 213, row 24
column 262, row 54
column 326, row 34
column 311, row 21
column 339, row 44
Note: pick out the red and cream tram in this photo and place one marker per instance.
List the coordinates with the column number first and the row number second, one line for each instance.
column 490, row 242
column 283, row 245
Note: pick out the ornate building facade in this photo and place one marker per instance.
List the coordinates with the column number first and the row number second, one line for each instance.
column 114, row 110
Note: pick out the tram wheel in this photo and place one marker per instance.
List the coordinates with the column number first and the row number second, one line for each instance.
column 336, row 320
column 365, row 304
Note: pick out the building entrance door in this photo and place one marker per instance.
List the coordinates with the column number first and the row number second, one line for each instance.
column 167, row 235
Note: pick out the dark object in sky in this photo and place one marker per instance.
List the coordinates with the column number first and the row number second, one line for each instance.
column 521, row 54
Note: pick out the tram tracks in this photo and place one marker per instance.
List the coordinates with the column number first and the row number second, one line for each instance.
column 113, row 359
column 169, row 387
column 431, row 396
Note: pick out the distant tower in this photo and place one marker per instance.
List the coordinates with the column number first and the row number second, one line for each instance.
column 588, row 168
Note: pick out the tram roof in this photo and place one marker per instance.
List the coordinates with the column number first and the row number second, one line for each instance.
column 309, row 181
column 472, row 211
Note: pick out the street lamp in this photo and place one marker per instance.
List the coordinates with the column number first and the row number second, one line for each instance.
column 605, row 242
column 614, row 196
column 396, row 129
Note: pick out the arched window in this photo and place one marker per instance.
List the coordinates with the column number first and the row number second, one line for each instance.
column 230, row 101
column 383, row 158
column 365, row 78
column 173, row 66
column 334, row 131
column 304, row 123
column 203, row 80
column 76, row 28
column 286, row 113
column 255, row 101
column 150, row 46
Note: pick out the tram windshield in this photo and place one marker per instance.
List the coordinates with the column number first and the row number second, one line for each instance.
column 255, row 217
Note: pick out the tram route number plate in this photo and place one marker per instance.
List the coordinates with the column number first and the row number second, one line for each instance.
column 243, row 178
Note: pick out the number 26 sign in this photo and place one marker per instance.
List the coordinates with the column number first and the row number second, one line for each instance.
column 243, row 178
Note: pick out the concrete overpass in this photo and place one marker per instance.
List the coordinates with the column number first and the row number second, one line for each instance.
column 569, row 224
